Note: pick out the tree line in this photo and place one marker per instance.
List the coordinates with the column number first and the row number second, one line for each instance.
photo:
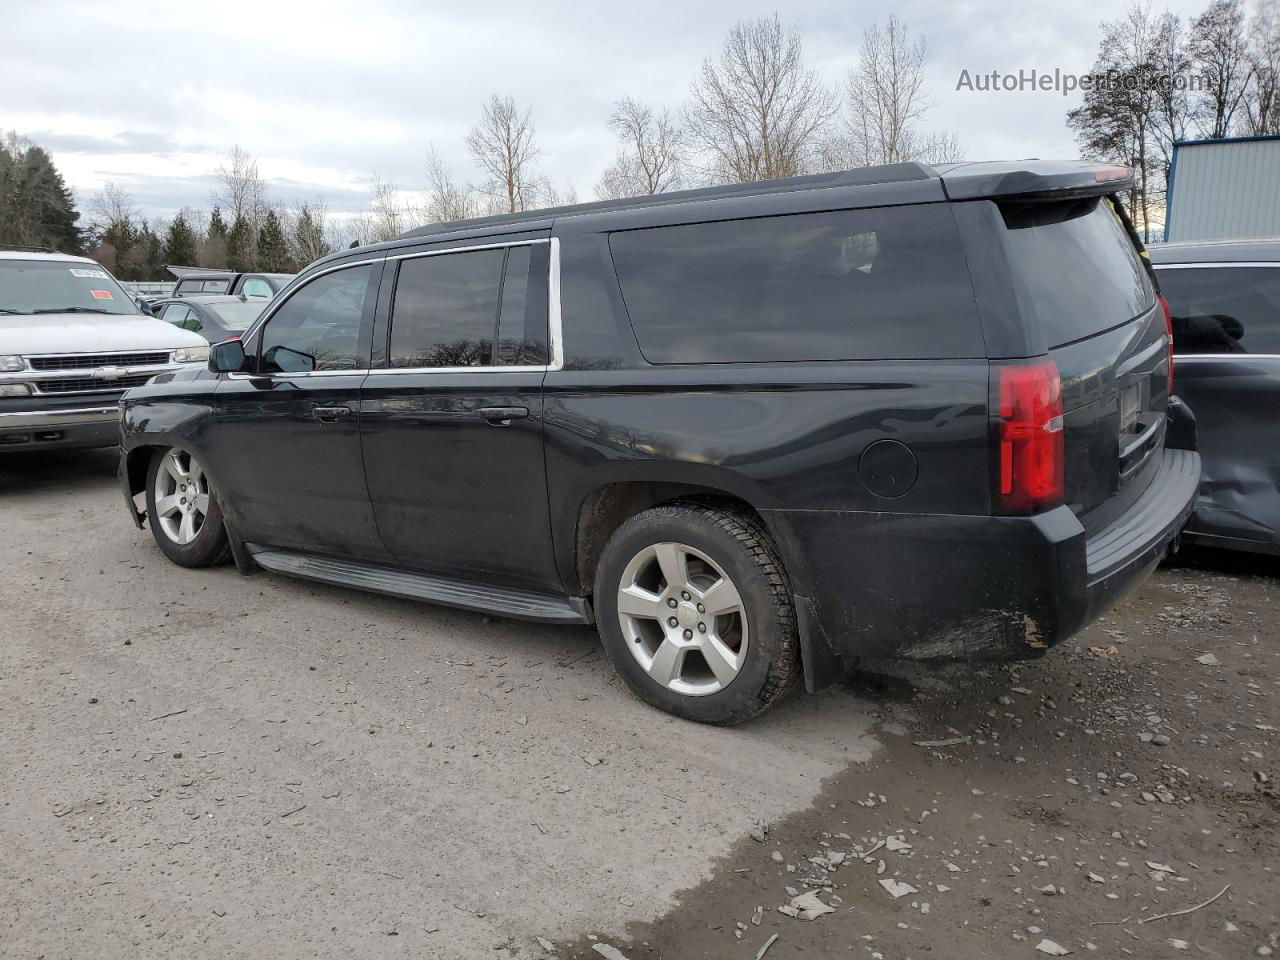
column 1213, row 76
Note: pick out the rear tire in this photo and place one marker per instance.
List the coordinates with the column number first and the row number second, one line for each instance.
column 182, row 511
column 694, row 610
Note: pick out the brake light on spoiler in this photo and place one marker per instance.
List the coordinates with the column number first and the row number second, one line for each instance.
column 1027, row 436
column 1107, row 174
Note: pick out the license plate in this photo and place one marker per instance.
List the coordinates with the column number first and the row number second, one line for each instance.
column 1130, row 403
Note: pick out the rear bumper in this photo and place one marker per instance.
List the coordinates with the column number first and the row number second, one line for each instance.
column 86, row 425
column 930, row 587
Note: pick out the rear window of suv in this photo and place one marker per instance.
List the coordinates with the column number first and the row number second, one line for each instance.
column 1076, row 271
column 848, row 285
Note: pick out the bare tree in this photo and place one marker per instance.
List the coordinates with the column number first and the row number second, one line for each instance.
column 242, row 193
column 1172, row 107
column 650, row 158
column 503, row 145
column 1262, row 98
column 388, row 210
column 1116, row 120
column 113, row 208
column 1221, row 56
column 756, row 112
column 447, row 199
column 885, row 94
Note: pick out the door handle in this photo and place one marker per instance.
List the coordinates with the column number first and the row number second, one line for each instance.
column 330, row 414
column 501, row 416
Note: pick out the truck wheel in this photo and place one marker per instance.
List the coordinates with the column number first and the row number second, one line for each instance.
column 182, row 511
column 695, row 612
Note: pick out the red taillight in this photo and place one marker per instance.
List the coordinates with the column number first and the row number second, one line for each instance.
column 1168, row 329
column 1028, row 436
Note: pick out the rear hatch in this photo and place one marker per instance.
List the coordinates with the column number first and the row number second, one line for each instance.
column 1080, row 279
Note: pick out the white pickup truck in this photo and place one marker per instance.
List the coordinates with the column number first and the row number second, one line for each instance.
column 71, row 341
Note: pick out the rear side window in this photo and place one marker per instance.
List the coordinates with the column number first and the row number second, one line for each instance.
column 446, row 309
column 849, row 285
column 1223, row 309
column 1076, row 271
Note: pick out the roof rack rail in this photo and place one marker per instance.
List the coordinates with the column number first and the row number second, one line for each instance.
column 26, row 248
column 861, row 176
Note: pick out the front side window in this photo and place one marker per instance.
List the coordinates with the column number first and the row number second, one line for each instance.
column 849, row 285
column 1223, row 309
column 318, row 328
column 450, row 309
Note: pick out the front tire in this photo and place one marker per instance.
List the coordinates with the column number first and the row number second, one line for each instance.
column 182, row 511
column 695, row 612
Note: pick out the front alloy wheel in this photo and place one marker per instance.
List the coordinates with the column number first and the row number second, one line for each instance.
column 183, row 510
column 181, row 496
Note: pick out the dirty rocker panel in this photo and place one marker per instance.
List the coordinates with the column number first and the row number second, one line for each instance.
column 520, row 604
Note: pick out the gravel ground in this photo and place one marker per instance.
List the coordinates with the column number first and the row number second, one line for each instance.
column 201, row 764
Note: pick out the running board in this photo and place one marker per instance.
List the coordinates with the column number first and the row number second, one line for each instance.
column 501, row 601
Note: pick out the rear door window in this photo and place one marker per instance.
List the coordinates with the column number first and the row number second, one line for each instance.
column 445, row 310
column 854, row 284
column 1223, row 309
column 450, row 309
column 1076, row 271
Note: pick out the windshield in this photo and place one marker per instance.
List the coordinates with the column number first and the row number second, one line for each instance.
column 237, row 315
column 60, row 286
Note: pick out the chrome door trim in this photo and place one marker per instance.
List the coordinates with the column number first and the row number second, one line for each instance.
column 1232, row 264
column 1183, row 357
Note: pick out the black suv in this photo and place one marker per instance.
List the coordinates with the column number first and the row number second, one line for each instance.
column 750, row 431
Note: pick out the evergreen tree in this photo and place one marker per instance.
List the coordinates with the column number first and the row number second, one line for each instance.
column 153, row 268
column 129, row 253
column 239, row 245
column 180, row 242
column 36, row 208
column 217, row 226
column 273, row 249
column 212, row 250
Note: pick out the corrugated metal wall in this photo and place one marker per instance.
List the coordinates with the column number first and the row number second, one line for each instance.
column 1225, row 190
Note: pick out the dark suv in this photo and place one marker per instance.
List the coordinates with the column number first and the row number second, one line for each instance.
column 750, row 431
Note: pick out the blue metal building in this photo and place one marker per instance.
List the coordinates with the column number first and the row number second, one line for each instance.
column 1224, row 189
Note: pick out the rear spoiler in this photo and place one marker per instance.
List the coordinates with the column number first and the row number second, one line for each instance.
column 1033, row 180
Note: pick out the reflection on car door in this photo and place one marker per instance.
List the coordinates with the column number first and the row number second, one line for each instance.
column 1226, row 337
column 451, row 427
column 286, row 434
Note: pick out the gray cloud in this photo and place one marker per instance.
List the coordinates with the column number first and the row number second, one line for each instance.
column 325, row 94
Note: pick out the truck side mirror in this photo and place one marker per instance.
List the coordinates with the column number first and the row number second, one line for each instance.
column 227, row 357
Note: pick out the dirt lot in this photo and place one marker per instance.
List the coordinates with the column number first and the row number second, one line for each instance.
column 203, row 765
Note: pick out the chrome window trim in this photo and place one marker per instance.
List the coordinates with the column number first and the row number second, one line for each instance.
column 555, row 343
column 1215, row 263
column 1180, row 357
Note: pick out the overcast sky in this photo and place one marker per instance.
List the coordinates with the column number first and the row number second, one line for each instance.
column 151, row 94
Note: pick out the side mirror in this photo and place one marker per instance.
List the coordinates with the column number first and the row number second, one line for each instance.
column 227, row 357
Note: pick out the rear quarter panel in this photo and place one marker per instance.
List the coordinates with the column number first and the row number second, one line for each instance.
column 783, row 437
